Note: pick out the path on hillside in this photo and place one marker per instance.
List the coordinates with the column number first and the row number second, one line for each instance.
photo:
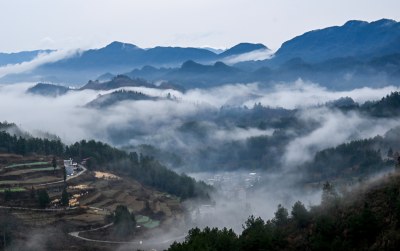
column 39, row 209
column 49, row 209
column 68, row 178
column 138, row 242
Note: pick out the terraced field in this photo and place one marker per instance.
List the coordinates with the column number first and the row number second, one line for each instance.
column 146, row 221
column 13, row 189
column 35, row 181
column 18, row 174
column 39, row 163
column 96, row 194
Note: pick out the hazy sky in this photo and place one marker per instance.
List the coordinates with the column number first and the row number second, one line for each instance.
column 32, row 24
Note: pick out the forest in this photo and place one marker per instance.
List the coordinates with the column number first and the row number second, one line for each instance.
column 366, row 218
column 101, row 156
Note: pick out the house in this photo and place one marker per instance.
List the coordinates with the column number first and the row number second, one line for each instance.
column 69, row 167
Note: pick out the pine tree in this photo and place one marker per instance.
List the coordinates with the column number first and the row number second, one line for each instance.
column 390, row 153
column 54, row 163
column 64, row 197
column 65, row 174
column 43, row 198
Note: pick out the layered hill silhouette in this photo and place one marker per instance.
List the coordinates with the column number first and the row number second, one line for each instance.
column 116, row 58
column 356, row 54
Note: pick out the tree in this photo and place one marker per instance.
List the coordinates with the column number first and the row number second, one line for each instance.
column 33, row 193
column 390, row 153
column 124, row 222
column 281, row 216
column 43, row 198
column 134, row 157
column 329, row 194
column 54, row 163
column 64, row 197
column 91, row 163
column 65, row 174
column 7, row 194
column 8, row 224
column 300, row 214
column 208, row 239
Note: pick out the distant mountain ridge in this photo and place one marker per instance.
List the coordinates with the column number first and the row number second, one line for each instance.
column 119, row 81
column 356, row 54
column 116, row 82
column 353, row 39
column 118, row 57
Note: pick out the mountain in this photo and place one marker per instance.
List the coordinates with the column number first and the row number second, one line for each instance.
column 353, row 39
column 193, row 67
column 356, row 54
column 194, row 75
column 105, row 77
column 191, row 74
column 107, row 100
column 241, row 49
column 126, row 81
column 150, row 73
column 116, row 82
column 115, row 58
column 119, row 56
column 48, row 90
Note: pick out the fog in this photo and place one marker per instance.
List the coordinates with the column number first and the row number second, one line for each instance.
column 306, row 94
column 41, row 59
column 336, row 128
column 250, row 56
column 190, row 122
column 67, row 117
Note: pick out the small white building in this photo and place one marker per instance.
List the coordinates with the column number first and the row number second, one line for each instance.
column 69, row 167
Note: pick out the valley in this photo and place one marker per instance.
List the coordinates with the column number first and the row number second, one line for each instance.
column 202, row 126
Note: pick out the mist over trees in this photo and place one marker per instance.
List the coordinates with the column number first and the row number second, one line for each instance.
column 353, row 221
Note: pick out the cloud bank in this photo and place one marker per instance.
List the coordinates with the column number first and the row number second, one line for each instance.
column 41, row 59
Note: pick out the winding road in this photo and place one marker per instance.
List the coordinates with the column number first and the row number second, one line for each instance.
column 39, row 209
column 68, row 178
column 140, row 242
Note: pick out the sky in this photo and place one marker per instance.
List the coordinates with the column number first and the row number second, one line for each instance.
column 67, row 24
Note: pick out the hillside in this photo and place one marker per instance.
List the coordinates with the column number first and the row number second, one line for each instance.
column 241, row 49
column 353, row 39
column 107, row 100
column 365, row 218
column 48, row 90
column 195, row 75
column 40, row 192
column 92, row 196
column 102, row 156
column 117, row 82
